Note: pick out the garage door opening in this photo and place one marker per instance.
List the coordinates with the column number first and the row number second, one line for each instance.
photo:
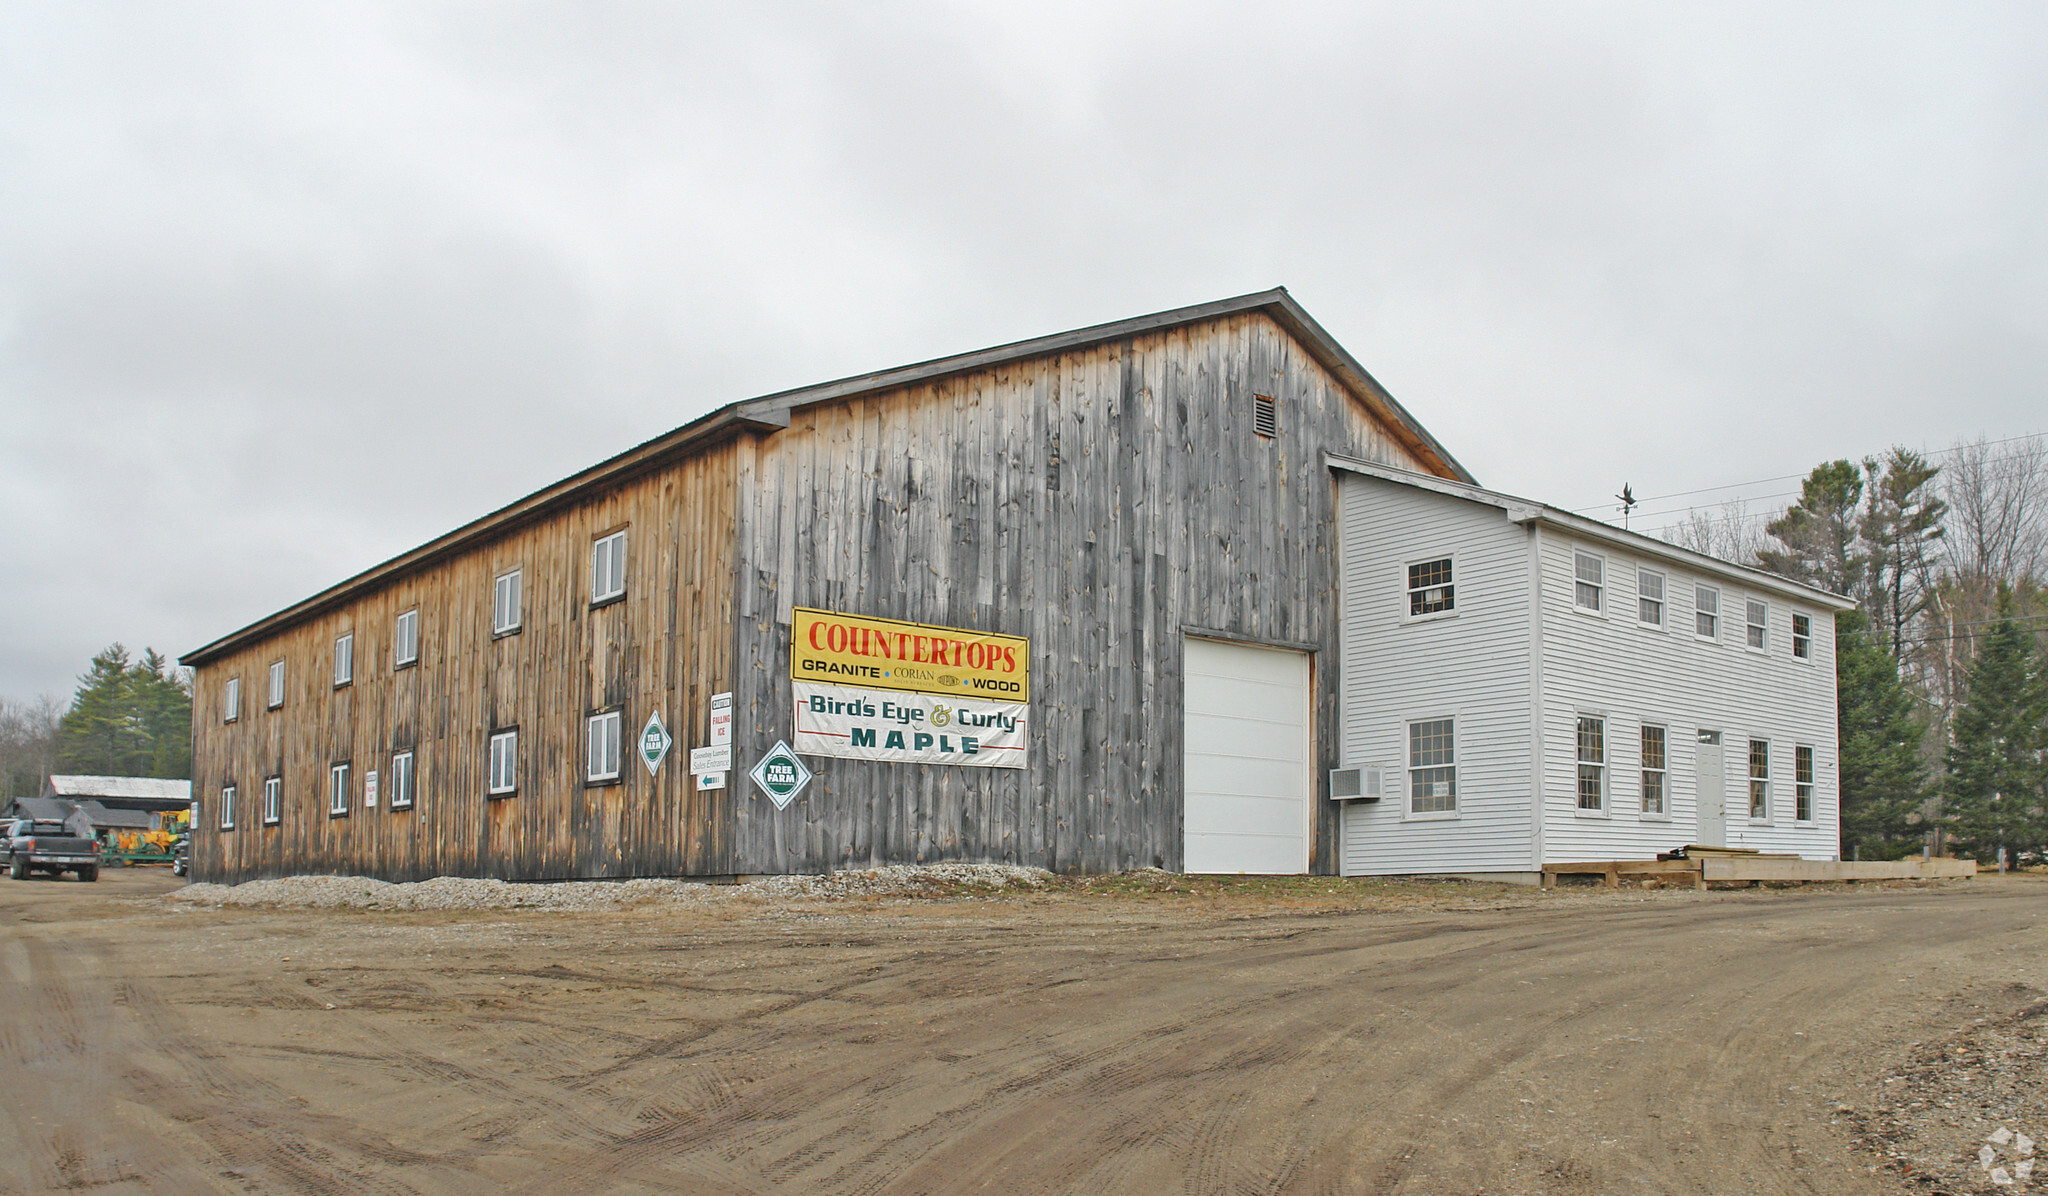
column 1245, row 754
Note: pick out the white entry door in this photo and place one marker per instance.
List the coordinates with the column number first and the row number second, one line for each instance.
column 1713, row 827
column 1246, row 750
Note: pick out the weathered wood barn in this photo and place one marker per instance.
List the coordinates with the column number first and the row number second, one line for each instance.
column 1147, row 504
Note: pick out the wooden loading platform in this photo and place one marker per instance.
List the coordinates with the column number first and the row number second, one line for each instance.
column 1704, row 865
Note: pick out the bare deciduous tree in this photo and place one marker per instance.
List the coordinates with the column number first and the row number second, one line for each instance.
column 1727, row 532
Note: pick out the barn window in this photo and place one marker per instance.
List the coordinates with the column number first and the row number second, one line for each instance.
column 405, row 640
column 1592, row 764
column 1759, row 619
column 227, row 807
column 1802, row 637
column 276, row 684
column 1653, row 770
column 1649, row 598
column 1802, row 783
column 1432, row 767
column 231, row 700
column 603, row 763
column 1429, row 588
column 401, row 781
column 344, row 660
column 504, row 763
column 1265, row 416
column 1706, row 612
column 505, row 604
column 608, row 568
column 273, row 800
column 1589, row 573
column 337, row 790
column 1760, row 779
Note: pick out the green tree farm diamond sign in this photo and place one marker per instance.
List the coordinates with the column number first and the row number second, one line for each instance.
column 781, row 775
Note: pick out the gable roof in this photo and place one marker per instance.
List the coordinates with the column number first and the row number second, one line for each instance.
column 771, row 412
column 79, row 787
column 1526, row 511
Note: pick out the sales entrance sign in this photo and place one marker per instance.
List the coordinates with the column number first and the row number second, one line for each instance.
column 828, row 648
column 909, row 728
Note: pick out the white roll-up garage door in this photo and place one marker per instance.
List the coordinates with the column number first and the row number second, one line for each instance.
column 1246, row 752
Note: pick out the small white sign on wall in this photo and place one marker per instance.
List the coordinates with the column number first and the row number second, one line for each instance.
column 370, row 790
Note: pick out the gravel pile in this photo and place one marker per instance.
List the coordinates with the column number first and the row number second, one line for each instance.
column 466, row 893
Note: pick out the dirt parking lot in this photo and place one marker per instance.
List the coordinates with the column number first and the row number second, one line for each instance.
column 1204, row 1038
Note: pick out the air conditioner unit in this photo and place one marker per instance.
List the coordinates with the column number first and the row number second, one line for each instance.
column 1356, row 784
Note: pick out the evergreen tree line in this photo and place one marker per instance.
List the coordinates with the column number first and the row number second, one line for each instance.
column 129, row 718
column 1942, row 670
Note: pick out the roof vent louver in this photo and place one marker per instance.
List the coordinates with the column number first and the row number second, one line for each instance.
column 1265, row 418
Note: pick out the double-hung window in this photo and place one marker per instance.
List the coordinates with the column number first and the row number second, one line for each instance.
column 273, row 800
column 276, row 684
column 401, row 781
column 608, row 568
column 1802, row 637
column 1649, row 598
column 1653, row 770
column 227, row 807
column 1802, row 783
column 1760, row 779
column 337, row 790
column 1592, row 764
column 1706, row 612
column 1758, row 622
column 231, row 700
column 505, row 603
column 1589, row 581
column 603, row 735
column 405, row 639
column 1432, row 767
column 504, row 779
column 1430, row 591
column 344, row 659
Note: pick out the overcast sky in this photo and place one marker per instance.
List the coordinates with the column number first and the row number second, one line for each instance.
column 286, row 289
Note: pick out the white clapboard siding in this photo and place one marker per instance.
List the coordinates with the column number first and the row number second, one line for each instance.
column 1473, row 666
column 1247, row 748
column 1611, row 666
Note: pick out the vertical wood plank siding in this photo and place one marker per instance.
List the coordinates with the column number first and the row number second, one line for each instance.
column 932, row 503
column 668, row 645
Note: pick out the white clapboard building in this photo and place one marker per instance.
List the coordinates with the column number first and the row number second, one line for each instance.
column 1523, row 686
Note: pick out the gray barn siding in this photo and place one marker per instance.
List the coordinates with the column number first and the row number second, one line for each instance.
column 932, row 503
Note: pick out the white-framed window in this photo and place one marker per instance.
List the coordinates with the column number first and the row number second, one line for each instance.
column 1589, row 581
column 1430, row 588
column 1592, row 763
column 603, row 737
column 608, row 567
column 1433, row 767
column 1760, row 780
column 1706, row 612
column 401, row 781
column 1758, row 623
column 1654, row 770
column 405, row 639
column 504, row 763
column 505, row 603
column 1649, row 598
column 231, row 700
column 1802, row 637
column 337, row 790
column 344, row 659
column 227, row 807
column 273, row 800
column 1802, row 783
column 276, row 684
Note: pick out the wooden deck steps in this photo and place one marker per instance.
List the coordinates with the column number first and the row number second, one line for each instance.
column 1704, row 865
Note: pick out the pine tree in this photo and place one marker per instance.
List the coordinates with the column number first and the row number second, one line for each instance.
column 1821, row 532
column 1883, row 776
column 1900, row 525
column 1998, row 754
column 128, row 719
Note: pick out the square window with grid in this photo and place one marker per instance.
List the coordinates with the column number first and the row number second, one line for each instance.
column 1429, row 588
column 1760, row 779
column 1649, row 598
column 1802, row 783
column 1432, row 767
column 1592, row 764
column 1653, row 769
column 1589, row 575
